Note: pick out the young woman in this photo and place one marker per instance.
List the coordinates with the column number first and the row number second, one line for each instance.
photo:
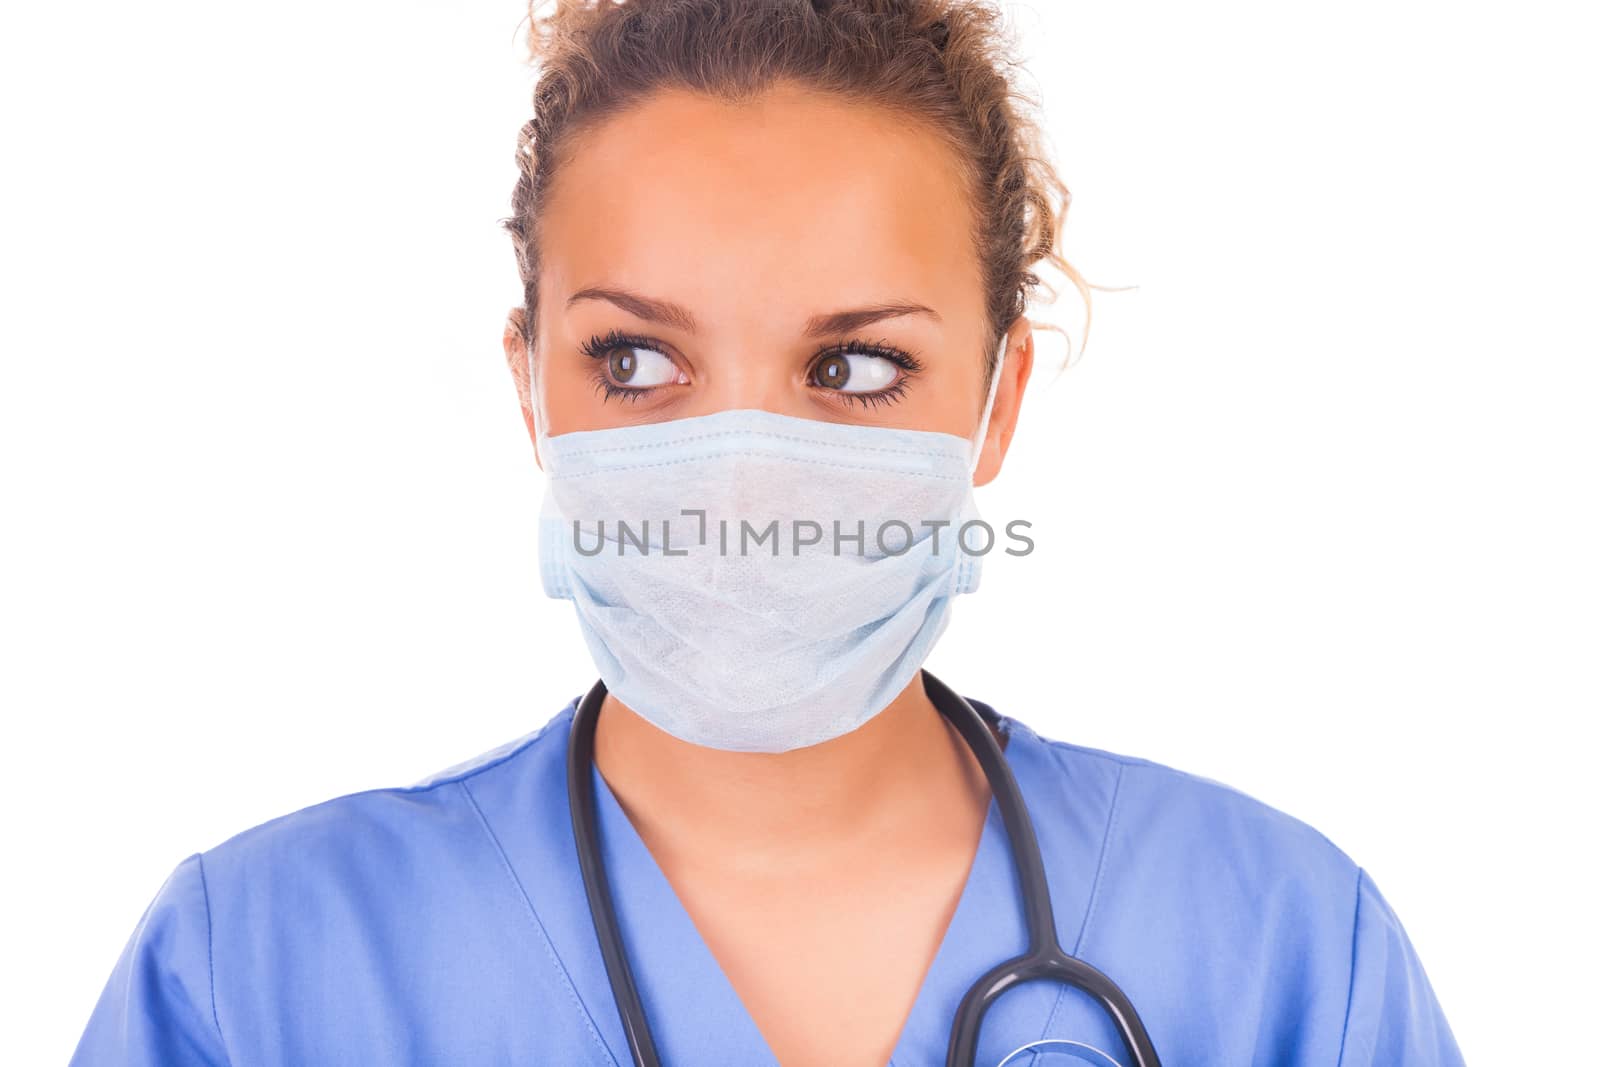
column 776, row 255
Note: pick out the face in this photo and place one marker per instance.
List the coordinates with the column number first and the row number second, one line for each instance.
column 796, row 254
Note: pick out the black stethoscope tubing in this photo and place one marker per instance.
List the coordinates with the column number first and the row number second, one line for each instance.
column 1044, row 959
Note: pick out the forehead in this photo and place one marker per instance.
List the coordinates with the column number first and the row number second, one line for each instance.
column 793, row 196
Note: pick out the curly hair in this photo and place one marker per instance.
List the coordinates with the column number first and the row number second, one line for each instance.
column 945, row 64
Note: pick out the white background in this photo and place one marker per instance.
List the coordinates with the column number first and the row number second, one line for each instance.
column 1316, row 508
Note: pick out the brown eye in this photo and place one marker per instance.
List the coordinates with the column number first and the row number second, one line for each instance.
column 638, row 367
column 832, row 372
column 855, row 372
column 623, row 364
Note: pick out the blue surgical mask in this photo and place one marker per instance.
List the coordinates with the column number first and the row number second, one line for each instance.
column 758, row 582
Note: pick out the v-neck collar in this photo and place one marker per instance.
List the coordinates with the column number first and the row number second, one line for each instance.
column 977, row 930
column 695, row 1015
column 988, row 927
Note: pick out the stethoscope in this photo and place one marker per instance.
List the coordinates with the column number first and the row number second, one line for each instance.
column 1044, row 958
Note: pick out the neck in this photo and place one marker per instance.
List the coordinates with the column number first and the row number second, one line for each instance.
column 904, row 764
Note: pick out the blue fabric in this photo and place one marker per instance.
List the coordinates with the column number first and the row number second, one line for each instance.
column 446, row 923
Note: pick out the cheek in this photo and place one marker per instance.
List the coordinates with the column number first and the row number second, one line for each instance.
column 951, row 399
column 570, row 400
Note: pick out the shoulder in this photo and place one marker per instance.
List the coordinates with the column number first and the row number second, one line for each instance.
column 1246, row 903
column 374, row 832
column 1196, row 816
column 326, row 906
column 1205, row 849
column 1232, row 920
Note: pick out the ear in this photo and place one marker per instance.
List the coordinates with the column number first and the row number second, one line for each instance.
column 515, row 342
column 1007, row 401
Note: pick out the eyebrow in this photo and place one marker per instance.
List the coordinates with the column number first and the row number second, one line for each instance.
column 664, row 311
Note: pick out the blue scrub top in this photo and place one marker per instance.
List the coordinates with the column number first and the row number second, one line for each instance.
column 446, row 923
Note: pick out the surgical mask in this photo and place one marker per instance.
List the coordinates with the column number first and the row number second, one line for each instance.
column 757, row 582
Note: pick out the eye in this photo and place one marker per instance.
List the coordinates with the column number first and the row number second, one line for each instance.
column 640, row 368
column 855, row 372
column 631, row 364
column 866, row 374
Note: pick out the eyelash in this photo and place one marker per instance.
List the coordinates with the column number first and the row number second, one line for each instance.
column 883, row 350
column 601, row 345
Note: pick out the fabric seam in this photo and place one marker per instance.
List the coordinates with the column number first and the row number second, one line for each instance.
column 1094, row 897
column 1350, row 995
column 1100, row 865
column 820, row 441
column 476, row 769
column 538, row 924
column 211, row 966
column 835, row 464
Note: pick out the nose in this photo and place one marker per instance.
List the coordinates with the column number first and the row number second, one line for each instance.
column 750, row 374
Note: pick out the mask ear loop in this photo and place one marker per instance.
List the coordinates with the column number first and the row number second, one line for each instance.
column 553, row 572
column 988, row 404
column 536, row 400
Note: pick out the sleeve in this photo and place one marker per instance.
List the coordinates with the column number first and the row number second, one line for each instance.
column 157, row 1007
column 1393, row 1018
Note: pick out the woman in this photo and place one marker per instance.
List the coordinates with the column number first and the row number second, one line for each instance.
column 776, row 257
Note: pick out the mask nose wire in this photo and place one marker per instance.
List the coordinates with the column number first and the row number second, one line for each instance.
column 988, row 404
